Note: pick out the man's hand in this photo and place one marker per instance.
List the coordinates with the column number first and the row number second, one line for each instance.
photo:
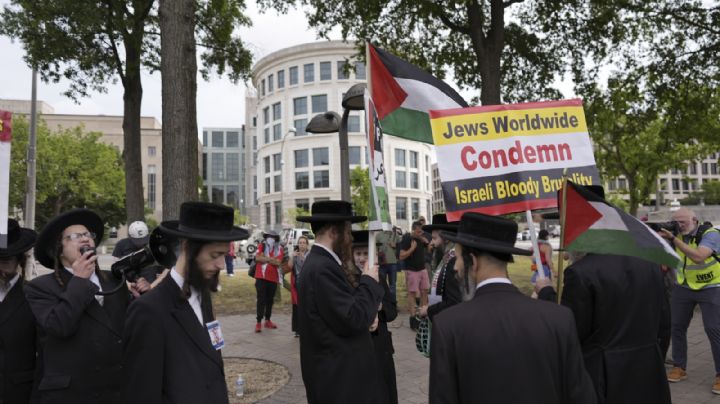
column 371, row 271
column 422, row 311
column 664, row 233
column 84, row 266
column 374, row 325
column 541, row 283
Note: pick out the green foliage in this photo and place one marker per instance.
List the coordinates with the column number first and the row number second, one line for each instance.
column 73, row 170
column 360, row 191
column 292, row 215
column 618, row 200
column 709, row 194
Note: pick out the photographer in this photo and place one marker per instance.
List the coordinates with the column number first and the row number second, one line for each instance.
column 698, row 282
column 80, row 329
column 412, row 250
column 139, row 236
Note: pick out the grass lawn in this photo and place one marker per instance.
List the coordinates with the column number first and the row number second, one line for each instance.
column 238, row 293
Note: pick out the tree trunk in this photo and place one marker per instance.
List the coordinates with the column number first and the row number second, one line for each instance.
column 488, row 48
column 179, row 87
column 132, row 153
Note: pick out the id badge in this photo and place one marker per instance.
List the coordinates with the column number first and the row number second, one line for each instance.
column 215, row 333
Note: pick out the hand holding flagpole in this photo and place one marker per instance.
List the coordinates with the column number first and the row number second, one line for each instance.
column 563, row 213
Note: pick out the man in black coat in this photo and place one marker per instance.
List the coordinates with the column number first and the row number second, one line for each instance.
column 444, row 286
column 18, row 335
column 502, row 346
column 336, row 351
column 172, row 340
column 620, row 309
column 80, row 330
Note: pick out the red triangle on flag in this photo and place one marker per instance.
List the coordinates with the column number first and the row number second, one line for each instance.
column 386, row 92
column 579, row 215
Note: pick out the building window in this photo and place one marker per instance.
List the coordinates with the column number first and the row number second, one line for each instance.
column 354, row 155
column 360, row 71
column 300, row 106
column 300, row 125
column 692, row 168
column 271, row 83
column 277, row 132
column 205, row 140
column 302, row 180
column 152, row 186
column 400, row 179
column 204, row 167
column 413, row 159
column 301, row 158
column 232, row 139
column 266, row 164
column 266, row 115
column 319, row 103
column 309, row 72
column 325, row 71
column 152, row 151
column 400, row 157
column 705, row 168
column 415, row 208
column 268, row 213
column 342, row 70
column 401, row 208
column 262, row 87
column 278, row 212
column 277, row 162
column 277, row 111
column 303, row 204
column 232, row 196
column 232, row 164
column 281, row 78
column 622, row 183
column 293, row 72
column 218, row 164
column 353, row 123
column 675, row 185
column 217, row 139
column 321, row 156
column 255, row 194
column 713, row 168
column 266, row 135
column 414, row 183
column 267, row 185
column 278, row 183
column 427, row 163
column 321, row 179
column 217, row 195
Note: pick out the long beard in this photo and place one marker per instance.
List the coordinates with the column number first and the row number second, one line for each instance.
column 198, row 281
column 5, row 279
column 342, row 246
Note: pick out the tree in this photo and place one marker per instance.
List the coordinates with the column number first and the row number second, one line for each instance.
column 360, row 191
column 292, row 215
column 709, row 194
column 640, row 131
column 93, row 43
column 75, row 171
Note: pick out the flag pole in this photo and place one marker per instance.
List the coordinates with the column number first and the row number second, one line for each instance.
column 534, row 240
column 561, row 252
column 372, row 254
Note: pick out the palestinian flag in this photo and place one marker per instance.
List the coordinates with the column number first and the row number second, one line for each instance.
column 594, row 226
column 404, row 93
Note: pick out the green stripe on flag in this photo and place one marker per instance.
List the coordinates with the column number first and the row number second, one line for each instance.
column 620, row 242
column 408, row 124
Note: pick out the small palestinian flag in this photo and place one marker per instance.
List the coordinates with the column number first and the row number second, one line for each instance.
column 594, row 226
column 403, row 94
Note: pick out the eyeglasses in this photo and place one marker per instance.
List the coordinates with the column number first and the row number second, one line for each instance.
column 78, row 236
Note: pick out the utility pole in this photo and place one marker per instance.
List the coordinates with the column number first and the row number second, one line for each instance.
column 29, row 210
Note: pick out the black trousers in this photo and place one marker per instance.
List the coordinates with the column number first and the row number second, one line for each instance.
column 294, row 324
column 265, row 292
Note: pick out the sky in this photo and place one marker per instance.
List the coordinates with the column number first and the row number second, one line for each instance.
column 270, row 32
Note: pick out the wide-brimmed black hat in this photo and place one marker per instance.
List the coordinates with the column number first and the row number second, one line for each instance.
column 486, row 233
column 271, row 233
column 440, row 222
column 45, row 246
column 206, row 222
column 19, row 239
column 332, row 211
column 361, row 238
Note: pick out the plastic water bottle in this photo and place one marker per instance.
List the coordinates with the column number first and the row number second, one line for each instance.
column 239, row 386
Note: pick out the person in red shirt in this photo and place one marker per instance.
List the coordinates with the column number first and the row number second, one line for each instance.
column 267, row 276
column 230, row 260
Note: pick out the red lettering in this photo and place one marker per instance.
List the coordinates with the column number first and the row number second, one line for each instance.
column 470, row 166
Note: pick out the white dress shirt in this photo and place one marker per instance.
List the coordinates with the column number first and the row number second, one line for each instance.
column 5, row 290
column 94, row 279
column 337, row 259
column 195, row 298
column 493, row 280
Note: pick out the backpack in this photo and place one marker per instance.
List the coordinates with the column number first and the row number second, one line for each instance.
column 699, row 235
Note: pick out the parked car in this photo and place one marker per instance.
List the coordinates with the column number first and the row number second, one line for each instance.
column 290, row 236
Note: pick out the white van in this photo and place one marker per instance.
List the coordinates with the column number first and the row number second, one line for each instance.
column 290, row 236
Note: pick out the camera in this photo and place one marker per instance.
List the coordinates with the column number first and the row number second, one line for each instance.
column 672, row 226
column 161, row 249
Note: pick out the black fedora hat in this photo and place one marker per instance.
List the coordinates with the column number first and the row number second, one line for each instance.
column 45, row 246
column 361, row 238
column 331, row 211
column 439, row 222
column 19, row 239
column 206, row 222
column 487, row 233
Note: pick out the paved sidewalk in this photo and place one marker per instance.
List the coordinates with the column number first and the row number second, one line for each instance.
column 412, row 369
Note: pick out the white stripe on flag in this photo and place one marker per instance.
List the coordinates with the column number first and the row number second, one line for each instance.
column 424, row 97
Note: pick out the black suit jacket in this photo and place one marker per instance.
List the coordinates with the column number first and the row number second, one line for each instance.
column 81, row 340
column 620, row 308
column 168, row 355
column 503, row 347
column 336, row 349
column 448, row 287
column 18, row 347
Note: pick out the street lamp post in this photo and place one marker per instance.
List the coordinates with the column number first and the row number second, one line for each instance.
column 282, row 175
